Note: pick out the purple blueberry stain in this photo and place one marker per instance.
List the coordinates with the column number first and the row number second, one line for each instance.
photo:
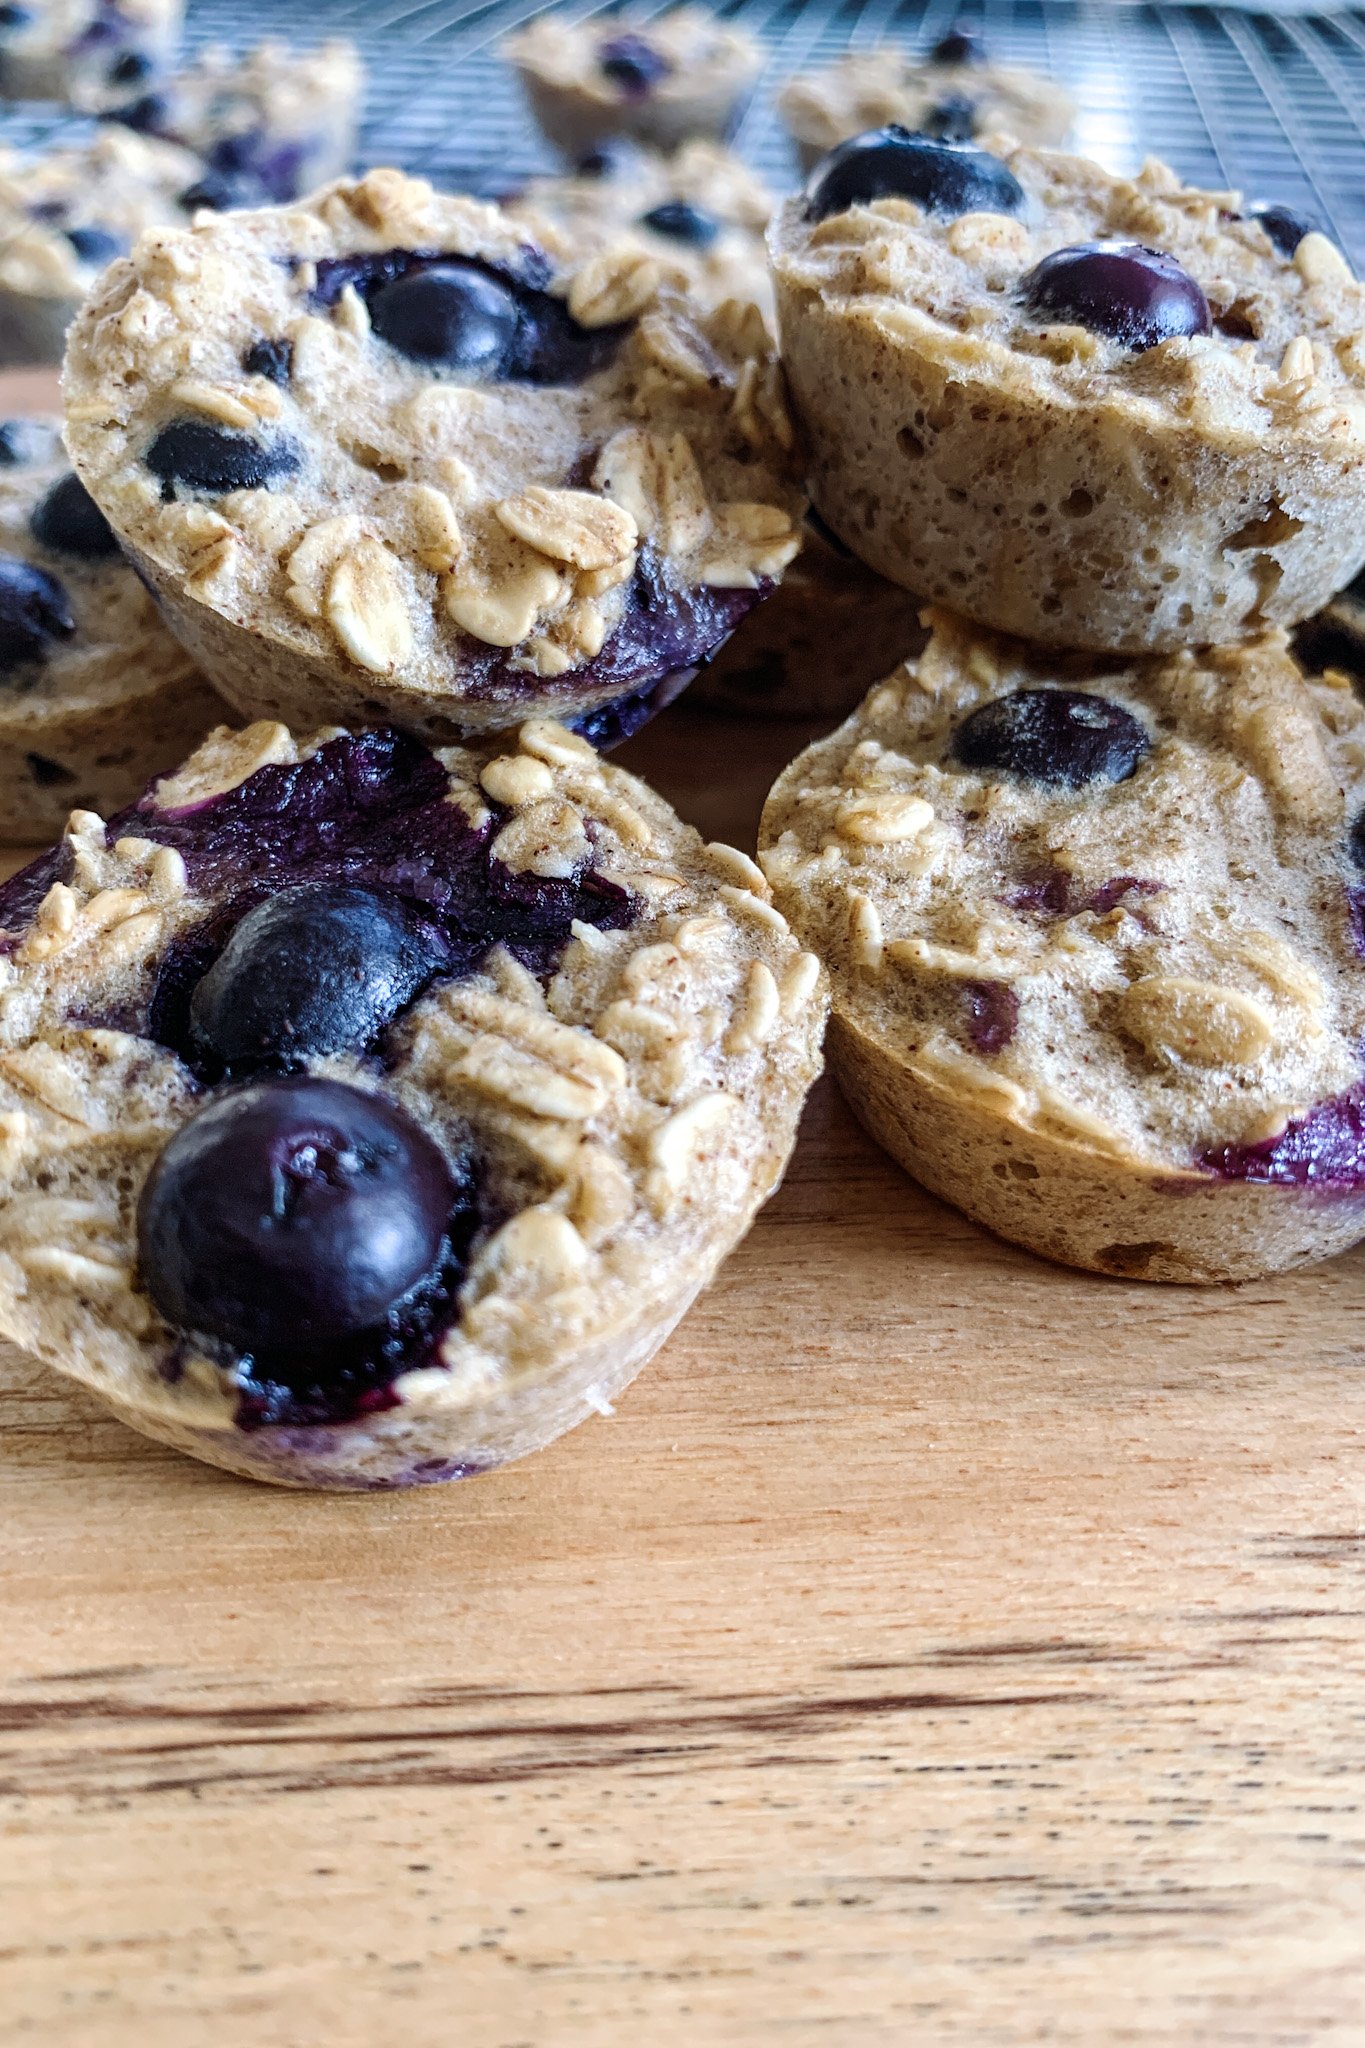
column 991, row 1015
column 1052, row 892
column 1324, row 1149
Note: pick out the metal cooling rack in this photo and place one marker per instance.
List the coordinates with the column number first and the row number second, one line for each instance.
column 1274, row 106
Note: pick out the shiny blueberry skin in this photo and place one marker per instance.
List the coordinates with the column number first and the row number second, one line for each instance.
column 95, row 245
column 681, row 221
column 450, row 314
column 270, row 359
column 319, row 969
column 1135, row 295
column 192, row 455
column 961, row 45
column 633, row 64
column 953, row 119
column 946, row 179
column 69, row 522
column 35, row 611
column 1285, row 228
column 293, row 1212
column 1059, row 736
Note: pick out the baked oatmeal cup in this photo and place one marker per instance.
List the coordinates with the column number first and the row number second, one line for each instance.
column 369, row 1116
column 383, row 458
column 1094, row 411
column 1096, row 935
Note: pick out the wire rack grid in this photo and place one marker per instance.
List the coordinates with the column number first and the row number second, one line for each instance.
column 1272, row 105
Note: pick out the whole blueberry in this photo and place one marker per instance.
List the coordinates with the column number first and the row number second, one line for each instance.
column 95, row 245
column 22, row 442
column 292, row 1212
column 149, row 115
column 1135, row 295
column 448, row 314
column 318, row 969
column 961, row 45
column 200, row 457
column 952, row 119
column 681, row 221
column 1285, row 228
column 68, row 521
column 1062, row 736
column 34, row 612
column 131, row 68
column 633, row 64
column 272, row 359
column 946, row 179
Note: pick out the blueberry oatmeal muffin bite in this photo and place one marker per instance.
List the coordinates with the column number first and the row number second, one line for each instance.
column 661, row 80
column 699, row 215
column 271, row 124
column 954, row 94
column 1096, row 932
column 95, row 696
column 381, row 457
column 369, row 1116
column 89, row 53
column 1094, row 411
column 63, row 216
column 825, row 635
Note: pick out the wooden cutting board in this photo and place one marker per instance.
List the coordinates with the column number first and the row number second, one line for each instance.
column 936, row 1646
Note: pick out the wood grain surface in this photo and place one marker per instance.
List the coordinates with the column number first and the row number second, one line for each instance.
column 936, row 1646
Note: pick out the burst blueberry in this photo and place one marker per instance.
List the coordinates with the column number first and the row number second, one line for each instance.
column 292, row 1213
column 35, row 613
column 681, row 221
column 1068, row 737
column 271, row 359
column 68, row 521
column 194, row 456
column 1134, row 295
column 450, row 315
column 946, row 179
column 319, row 969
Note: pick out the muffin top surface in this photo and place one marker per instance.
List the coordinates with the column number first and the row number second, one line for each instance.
column 1042, row 274
column 629, row 59
column 1120, row 901
column 385, row 429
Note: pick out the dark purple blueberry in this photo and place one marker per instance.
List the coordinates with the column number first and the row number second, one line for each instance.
column 294, row 1212
column 961, row 45
column 952, row 119
column 35, row 611
column 1135, row 295
column 13, row 16
column 271, row 359
column 946, row 179
column 131, row 68
column 219, row 192
column 451, row 315
column 69, row 522
column 22, row 442
column 319, row 969
column 634, row 64
column 992, row 1015
column 1285, row 227
column 681, row 221
column 95, row 245
column 149, row 115
column 192, row 455
column 1062, row 736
